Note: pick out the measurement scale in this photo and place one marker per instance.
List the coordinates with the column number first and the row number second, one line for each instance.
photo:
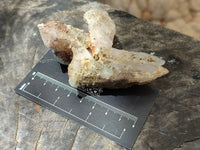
column 116, row 114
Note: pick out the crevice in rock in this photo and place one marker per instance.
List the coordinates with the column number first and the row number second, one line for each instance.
column 38, row 140
column 74, row 139
column 149, row 147
column 17, row 125
column 94, row 140
column 188, row 141
column 191, row 140
column 63, row 128
column 161, row 132
column 33, row 58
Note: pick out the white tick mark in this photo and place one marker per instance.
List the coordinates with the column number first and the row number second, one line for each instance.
column 88, row 116
column 44, row 83
column 68, row 95
column 39, row 95
column 103, row 126
column 22, row 86
column 33, row 73
column 120, row 118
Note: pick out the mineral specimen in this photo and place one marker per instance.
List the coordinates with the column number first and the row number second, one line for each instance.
column 91, row 58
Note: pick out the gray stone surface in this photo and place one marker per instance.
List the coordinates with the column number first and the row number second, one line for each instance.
column 174, row 122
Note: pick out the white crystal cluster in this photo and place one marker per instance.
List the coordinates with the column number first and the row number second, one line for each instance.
column 92, row 60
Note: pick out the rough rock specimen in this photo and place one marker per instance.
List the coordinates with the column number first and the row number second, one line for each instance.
column 92, row 60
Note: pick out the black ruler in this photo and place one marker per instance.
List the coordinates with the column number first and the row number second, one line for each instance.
column 116, row 114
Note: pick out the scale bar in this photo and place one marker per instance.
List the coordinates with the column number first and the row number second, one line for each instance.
column 88, row 97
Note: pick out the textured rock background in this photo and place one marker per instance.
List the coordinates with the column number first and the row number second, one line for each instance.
column 180, row 15
column 174, row 119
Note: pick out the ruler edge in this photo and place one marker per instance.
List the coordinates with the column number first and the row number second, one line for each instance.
column 126, row 114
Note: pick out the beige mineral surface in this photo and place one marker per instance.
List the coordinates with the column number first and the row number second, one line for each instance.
column 180, row 15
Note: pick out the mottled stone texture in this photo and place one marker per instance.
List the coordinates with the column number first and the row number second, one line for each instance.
column 174, row 122
column 180, row 15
